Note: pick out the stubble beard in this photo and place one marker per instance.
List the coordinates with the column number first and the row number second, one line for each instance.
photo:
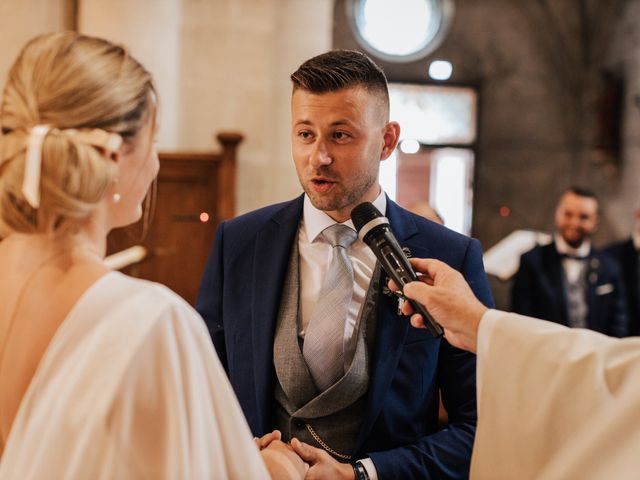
column 575, row 242
column 341, row 197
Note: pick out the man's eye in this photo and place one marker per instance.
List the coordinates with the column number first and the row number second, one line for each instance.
column 340, row 135
column 304, row 134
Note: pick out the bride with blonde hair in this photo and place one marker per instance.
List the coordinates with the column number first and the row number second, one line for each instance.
column 101, row 375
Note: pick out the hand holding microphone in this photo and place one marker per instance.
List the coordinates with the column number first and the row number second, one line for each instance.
column 374, row 230
column 451, row 302
column 450, row 299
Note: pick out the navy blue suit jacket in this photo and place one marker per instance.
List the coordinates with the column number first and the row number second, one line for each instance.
column 626, row 255
column 538, row 290
column 239, row 299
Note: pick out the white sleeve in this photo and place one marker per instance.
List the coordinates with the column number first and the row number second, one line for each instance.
column 555, row 402
column 487, row 324
column 177, row 410
column 370, row 467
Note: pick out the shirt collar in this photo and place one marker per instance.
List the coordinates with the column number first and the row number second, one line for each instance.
column 315, row 221
column 564, row 248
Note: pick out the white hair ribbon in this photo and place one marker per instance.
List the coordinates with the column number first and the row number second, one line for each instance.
column 33, row 165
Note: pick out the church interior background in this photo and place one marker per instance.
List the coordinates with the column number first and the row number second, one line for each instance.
column 535, row 96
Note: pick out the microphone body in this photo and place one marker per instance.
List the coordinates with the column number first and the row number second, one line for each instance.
column 374, row 230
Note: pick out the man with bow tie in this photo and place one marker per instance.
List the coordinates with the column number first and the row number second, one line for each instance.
column 568, row 281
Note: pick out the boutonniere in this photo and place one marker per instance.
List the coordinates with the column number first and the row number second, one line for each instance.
column 387, row 291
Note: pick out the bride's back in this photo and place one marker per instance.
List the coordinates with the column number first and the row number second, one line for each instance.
column 72, row 109
column 38, row 288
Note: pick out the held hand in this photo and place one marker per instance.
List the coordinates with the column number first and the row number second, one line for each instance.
column 322, row 465
column 266, row 439
column 282, row 462
column 449, row 299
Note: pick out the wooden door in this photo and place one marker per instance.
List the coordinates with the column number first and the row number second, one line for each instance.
column 195, row 191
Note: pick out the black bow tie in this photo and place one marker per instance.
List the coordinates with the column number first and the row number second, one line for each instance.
column 573, row 257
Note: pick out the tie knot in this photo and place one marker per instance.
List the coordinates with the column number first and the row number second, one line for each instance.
column 339, row 235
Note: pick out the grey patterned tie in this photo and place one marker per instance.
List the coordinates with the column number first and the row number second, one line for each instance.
column 323, row 340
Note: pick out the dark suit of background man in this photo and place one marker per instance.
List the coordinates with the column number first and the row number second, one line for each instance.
column 263, row 281
column 627, row 254
column 569, row 282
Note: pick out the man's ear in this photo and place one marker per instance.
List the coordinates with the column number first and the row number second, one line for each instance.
column 391, row 137
column 116, row 155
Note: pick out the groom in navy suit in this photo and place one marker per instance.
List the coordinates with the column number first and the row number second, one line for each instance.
column 378, row 418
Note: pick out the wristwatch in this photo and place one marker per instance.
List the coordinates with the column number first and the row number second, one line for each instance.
column 360, row 471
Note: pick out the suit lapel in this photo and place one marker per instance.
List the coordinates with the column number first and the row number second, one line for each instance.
column 271, row 258
column 630, row 269
column 592, row 274
column 552, row 263
column 391, row 330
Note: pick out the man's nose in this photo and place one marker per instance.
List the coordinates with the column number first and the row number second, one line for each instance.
column 320, row 155
column 575, row 221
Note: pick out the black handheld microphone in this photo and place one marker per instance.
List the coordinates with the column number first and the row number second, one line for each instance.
column 374, row 230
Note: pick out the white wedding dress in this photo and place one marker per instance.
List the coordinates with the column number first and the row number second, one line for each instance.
column 130, row 387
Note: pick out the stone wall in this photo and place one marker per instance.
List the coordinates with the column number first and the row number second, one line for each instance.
column 531, row 143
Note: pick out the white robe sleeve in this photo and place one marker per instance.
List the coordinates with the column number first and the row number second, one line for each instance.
column 556, row 403
column 176, row 415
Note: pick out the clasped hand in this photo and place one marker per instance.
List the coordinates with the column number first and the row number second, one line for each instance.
column 299, row 460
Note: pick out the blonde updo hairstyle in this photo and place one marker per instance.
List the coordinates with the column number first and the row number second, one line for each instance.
column 69, row 82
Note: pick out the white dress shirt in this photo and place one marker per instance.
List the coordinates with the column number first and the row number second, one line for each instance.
column 572, row 267
column 315, row 256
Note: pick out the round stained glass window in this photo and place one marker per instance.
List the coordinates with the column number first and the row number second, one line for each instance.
column 400, row 30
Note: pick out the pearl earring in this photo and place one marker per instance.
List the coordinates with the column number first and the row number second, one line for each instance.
column 116, row 197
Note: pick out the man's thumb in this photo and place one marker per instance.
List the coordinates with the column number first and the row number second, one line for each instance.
column 306, row 452
column 416, row 291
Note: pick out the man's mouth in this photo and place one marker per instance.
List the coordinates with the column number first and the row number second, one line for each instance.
column 322, row 185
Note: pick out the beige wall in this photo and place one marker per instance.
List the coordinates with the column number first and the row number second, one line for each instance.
column 236, row 60
column 150, row 29
column 219, row 65
column 21, row 20
column 223, row 65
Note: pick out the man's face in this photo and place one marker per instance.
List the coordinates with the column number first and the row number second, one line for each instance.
column 576, row 218
column 338, row 140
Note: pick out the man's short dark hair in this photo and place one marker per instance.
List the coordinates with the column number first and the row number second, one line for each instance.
column 339, row 69
column 581, row 192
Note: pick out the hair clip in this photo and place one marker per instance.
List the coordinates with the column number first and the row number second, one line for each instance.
column 33, row 164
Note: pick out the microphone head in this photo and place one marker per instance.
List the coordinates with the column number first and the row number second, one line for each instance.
column 365, row 217
column 363, row 214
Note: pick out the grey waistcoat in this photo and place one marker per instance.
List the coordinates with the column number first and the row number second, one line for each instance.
column 331, row 419
column 577, row 308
